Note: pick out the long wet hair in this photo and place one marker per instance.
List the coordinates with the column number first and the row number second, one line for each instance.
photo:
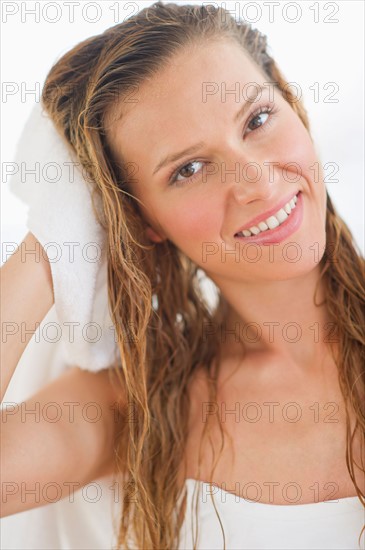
column 155, row 294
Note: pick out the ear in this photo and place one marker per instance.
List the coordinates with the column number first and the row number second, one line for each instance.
column 153, row 235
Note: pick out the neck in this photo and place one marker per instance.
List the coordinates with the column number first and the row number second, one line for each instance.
column 278, row 318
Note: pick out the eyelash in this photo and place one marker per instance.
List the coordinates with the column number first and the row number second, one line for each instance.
column 172, row 181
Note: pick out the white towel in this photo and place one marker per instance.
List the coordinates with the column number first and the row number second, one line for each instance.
column 61, row 217
column 61, row 212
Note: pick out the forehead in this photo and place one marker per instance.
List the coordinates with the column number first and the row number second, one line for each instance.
column 199, row 82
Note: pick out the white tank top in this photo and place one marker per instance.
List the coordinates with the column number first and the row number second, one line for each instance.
column 86, row 523
column 253, row 525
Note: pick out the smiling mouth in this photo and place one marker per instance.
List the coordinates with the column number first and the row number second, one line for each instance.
column 271, row 222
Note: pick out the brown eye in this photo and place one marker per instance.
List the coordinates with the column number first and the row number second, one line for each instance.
column 186, row 172
column 257, row 121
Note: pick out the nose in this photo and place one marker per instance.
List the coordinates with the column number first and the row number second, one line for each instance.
column 249, row 178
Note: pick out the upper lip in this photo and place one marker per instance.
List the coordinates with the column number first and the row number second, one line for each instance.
column 267, row 213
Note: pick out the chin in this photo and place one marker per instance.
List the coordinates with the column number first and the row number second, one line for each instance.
column 290, row 259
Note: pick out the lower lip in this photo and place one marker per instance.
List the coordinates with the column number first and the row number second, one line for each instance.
column 283, row 231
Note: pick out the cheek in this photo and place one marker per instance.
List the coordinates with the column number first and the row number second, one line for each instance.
column 188, row 221
column 300, row 166
column 295, row 152
column 302, row 152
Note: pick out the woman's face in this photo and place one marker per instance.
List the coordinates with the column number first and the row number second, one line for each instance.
column 244, row 167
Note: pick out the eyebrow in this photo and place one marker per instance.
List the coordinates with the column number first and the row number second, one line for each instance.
column 169, row 159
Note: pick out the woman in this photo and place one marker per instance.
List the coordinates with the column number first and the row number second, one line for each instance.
column 265, row 390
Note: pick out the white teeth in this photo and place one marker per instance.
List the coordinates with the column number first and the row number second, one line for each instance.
column 287, row 208
column 273, row 221
column 263, row 226
column 281, row 215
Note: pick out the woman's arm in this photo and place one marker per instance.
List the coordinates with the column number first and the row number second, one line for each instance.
column 62, row 437
column 26, row 297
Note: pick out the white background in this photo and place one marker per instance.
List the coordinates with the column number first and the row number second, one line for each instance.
column 313, row 49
